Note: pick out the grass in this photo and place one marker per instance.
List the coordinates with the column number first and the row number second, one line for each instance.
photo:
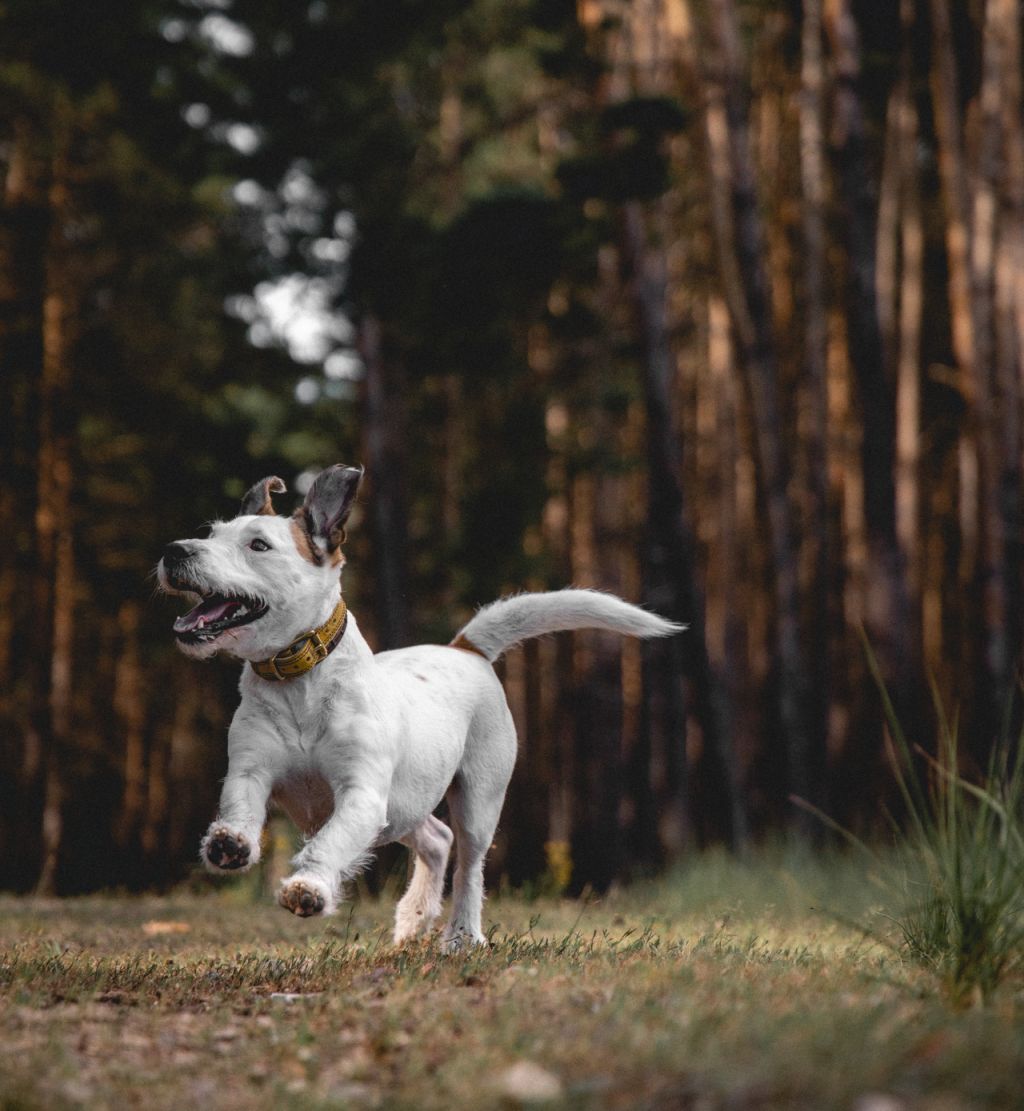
column 963, row 871
column 721, row 986
column 954, row 884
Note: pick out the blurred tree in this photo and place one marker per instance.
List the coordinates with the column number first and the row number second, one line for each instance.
column 113, row 341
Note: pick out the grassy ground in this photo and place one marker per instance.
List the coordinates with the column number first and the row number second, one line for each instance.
column 722, row 987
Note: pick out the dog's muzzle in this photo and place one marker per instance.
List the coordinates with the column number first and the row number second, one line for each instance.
column 217, row 612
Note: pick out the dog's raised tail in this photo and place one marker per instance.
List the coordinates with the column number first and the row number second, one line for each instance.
column 503, row 624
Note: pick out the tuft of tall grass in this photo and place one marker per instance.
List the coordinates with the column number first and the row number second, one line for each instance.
column 955, row 882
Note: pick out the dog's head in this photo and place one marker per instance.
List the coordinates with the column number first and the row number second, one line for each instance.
column 262, row 580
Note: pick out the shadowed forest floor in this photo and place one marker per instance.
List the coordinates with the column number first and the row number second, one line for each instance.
column 724, row 986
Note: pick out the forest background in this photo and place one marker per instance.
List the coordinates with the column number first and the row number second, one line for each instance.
column 715, row 304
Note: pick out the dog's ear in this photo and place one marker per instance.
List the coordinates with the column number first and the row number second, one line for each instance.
column 257, row 500
column 328, row 504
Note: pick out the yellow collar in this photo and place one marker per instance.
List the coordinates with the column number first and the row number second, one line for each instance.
column 306, row 651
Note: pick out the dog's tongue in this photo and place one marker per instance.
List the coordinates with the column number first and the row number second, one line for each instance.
column 213, row 609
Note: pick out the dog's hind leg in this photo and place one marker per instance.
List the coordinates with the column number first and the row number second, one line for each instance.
column 475, row 799
column 475, row 819
column 430, row 843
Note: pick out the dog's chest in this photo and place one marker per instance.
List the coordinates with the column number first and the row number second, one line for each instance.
column 306, row 797
column 301, row 715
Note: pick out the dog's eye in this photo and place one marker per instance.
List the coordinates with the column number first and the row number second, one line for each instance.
column 259, row 545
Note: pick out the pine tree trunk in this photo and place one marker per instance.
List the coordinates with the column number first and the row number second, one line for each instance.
column 998, row 382
column 597, row 760
column 671, row 583
column 739, row 242
column 130, row 716
column 887, row 609
column 911, row 310
column 385, row 433
column 54, row 522
column 984, row 232
column 814, row 381
column 24, row 232
column 971, row 229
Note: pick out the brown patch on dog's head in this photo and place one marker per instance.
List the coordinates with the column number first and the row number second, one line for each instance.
column 303, row 541
column 310, row 551
column 257, row 499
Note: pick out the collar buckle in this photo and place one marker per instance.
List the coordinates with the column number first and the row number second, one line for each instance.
column 306, row 651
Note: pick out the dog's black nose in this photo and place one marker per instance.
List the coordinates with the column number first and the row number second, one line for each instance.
column 176, row 553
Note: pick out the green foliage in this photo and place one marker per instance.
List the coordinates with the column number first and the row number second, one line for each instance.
column 625, row 157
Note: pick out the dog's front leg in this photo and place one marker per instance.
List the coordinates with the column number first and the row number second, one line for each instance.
column 338, row 851
column 232, row 843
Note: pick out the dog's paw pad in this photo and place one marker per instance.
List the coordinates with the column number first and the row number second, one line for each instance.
column 227, row 850
column 301, row 898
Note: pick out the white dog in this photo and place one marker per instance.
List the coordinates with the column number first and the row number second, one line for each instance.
column 359, row 749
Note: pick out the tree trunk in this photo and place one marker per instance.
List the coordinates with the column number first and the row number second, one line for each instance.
column 814, row 380
column 130, row 716
column 670, row 571
column 997, row 384
column 739, row 241
column 385, row 451
column 971, row 249
column 23, row 250
column 984, row 232
column 54, row 524
column 597, row 771
column 911, row 309
column 887, row 608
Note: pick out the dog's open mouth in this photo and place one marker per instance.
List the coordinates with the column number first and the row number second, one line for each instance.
column 215, row 614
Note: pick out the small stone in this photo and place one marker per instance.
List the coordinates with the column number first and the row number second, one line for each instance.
column 878, row 1101
column 528, row 1082
column 155, row 928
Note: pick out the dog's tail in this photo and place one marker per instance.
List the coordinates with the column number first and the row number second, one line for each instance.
column 509, row 621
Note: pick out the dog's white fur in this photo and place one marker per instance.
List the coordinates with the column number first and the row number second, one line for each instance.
column 360, row 750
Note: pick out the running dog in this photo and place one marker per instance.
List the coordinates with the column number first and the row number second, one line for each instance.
column 358, row 749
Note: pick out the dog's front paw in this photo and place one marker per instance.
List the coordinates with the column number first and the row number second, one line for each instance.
column 304, row 897
column 226, row 851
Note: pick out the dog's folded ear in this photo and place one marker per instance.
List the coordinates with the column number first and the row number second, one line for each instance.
column 257, row 499
column 328, row 504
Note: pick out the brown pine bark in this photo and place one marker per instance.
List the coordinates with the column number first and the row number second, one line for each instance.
column 129, row 710
column 813, row 384
column 991, row 463
column 887, row 607
column 953, row 175
column 989, row 468
column 740, row 247
column 999, row 399
column 672, row 586
column 384, row 431
column 1013, row 185
column 949, row 132
column 54, row 543
column 597, row 773
column 911, row 313
column 24, row 231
